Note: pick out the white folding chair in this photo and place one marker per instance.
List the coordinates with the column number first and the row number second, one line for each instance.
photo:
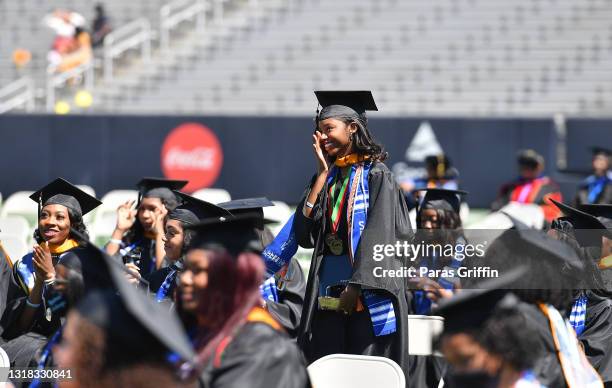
column 15, row 246
column 15, row 225
column 422, row 329
column 355, row 371
column 279, row 213
column 213, row 195
column 20, row 204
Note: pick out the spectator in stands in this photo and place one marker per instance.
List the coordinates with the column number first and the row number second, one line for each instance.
column 79, row 54
column 100, row 26
column 532, row 186
column 65, row 24
column 597, row 188
column 239, row 344
column 138, row 236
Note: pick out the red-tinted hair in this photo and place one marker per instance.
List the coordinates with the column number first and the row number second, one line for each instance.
column 232, row 291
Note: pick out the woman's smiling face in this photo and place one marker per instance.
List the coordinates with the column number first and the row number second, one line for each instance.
column 54, row 224
column 335, row 135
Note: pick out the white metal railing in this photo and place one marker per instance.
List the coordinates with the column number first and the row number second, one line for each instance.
column 134, row 34
column 56, row 80
column 17, row 93
column 176, row 12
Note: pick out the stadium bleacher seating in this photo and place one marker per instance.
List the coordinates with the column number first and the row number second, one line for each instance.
column 440, row 57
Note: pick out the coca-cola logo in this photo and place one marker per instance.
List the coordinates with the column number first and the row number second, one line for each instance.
column 192, row 151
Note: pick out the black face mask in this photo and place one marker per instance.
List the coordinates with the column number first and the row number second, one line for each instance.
column 475, row 379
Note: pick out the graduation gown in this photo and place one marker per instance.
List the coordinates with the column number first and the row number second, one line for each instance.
column 387, row 223
column 548, row 368
column 603, row 198
column 258, row 356
column 538, row 193
column 291, row 289
column 597, row 335
column 22, row 346
column 146, row 246
column 5, row 278
column 156, row 279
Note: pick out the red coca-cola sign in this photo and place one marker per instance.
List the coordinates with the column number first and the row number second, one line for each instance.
column 192, row 151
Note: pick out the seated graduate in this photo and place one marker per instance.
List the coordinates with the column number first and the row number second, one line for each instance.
column 162, row 282
column 119, row 336
column 591, row 311
column 547, row 291
column 532, row 186
column 41, row 285
column 438, row 224
column 597, row 188
column 486, row 339
column 439, row 174
column 239, row 344
column 137, row 238
column 282, row 293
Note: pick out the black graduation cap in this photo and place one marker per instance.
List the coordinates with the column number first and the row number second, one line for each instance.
column 603, row 211
column 249, row 206
column 588, row 229
column 442, row 199
column 158, row 187
column 62, row 192
column 336, row 102
column 237, row 234
column 132, row 320
column 601, row 151
column 192, row 209
column 469, row 309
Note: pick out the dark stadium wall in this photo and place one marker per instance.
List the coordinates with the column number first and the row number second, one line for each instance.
column 268, row 156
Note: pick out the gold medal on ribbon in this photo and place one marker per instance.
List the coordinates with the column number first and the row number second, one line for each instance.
column 334, row 243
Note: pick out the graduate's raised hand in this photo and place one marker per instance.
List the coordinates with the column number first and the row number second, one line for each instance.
column 160, row 216
column 322, row 163
column 43, row 264
column 126, row 216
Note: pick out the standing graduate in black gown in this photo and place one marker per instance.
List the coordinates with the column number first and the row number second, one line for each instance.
column 137, row 238
column 282, row 293
column 162, row 282
column 35, row 304
column 352, row 205
column 239, row 344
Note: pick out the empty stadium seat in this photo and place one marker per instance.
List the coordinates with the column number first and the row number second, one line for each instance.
column 213, row 195
column 355, row 371
column 20, row 204
column 15, row 225
column 15, row 246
